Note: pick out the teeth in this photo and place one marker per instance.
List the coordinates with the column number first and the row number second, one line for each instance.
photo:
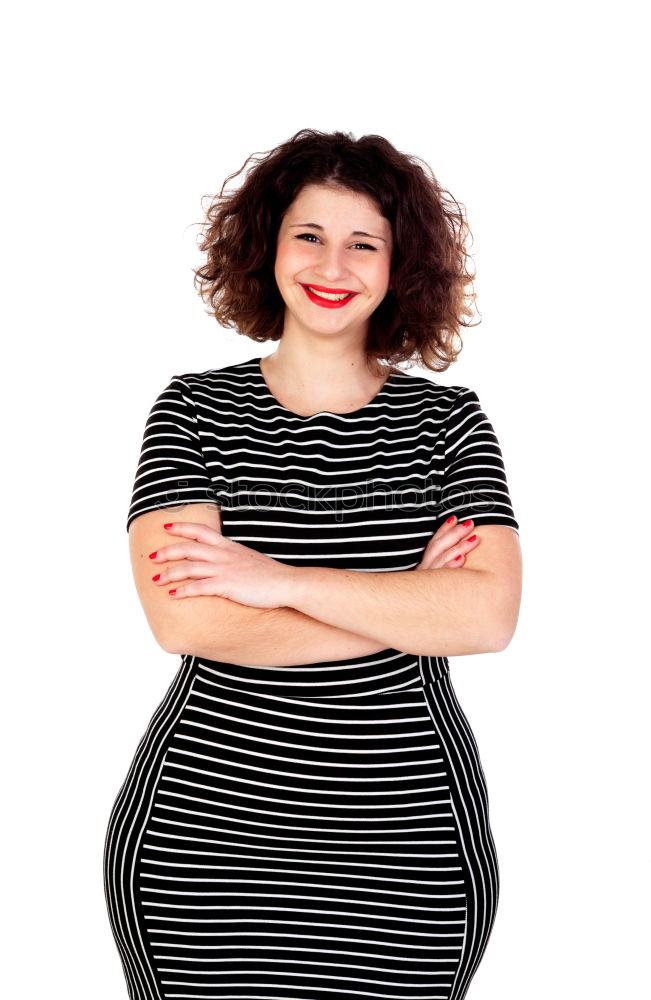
column 329, row 295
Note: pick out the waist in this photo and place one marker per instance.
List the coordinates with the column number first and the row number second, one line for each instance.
column 383, row 672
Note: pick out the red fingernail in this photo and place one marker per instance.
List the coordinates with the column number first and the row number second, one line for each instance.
column 471, row 539
column 172, row 591
column 457, row 557
column 450, row 520
column 167, row 525
column 152, row 555
column 157, row 577
column 466, row 524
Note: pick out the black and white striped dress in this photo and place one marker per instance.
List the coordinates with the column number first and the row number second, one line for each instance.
column 315, row 831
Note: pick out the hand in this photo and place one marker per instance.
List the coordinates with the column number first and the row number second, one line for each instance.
column 221, row 567
column 448, row 542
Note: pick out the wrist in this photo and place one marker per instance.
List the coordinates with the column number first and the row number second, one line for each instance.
column 297, row 584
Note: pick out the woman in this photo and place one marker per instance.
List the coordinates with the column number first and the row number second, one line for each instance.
column 306, row 813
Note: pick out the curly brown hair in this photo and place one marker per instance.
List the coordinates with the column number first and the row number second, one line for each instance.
column 420, row 317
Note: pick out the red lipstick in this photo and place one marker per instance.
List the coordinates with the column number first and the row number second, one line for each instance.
column 329, row 303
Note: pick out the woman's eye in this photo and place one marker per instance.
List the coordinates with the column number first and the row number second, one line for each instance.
column 301, row 236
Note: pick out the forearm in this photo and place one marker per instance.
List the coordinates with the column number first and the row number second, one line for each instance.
column 265, row 637
column 442, row 612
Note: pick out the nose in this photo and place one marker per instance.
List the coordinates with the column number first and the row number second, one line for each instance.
column 332, row 264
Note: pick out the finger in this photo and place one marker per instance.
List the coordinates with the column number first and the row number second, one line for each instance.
column 440, row 545
column 185, row 571
column 448, row 525
column 452, row 532
column 184, row 550
column 439, row 557
column 199, row 588
column 194, row 529
column 457, row 555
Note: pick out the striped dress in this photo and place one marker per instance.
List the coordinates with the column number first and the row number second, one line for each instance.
column 322, row 830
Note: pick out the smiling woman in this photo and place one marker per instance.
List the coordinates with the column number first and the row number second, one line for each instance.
column 315, row 532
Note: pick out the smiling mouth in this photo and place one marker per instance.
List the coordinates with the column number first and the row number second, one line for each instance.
column 328, row 296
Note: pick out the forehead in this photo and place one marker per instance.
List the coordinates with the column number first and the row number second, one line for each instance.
column 332, row 203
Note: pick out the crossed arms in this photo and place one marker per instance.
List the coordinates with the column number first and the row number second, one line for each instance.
column 338, row 614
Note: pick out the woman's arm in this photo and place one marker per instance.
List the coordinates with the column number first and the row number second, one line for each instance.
column 265, row 637
column 220, row 629
column 452, row 612
column 444, row 612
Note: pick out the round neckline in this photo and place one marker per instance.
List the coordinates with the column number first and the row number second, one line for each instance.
column 320, row 413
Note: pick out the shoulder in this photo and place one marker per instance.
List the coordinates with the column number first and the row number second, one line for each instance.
column 217, row 385
column 443, row 398
column 234, row 374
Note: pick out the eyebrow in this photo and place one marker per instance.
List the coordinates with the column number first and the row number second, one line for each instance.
column 315, row 225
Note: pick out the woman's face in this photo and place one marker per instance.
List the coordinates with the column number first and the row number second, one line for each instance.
column 335, row 240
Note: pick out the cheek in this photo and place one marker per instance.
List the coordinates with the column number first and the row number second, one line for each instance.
column 290, row 257
column 380, row 273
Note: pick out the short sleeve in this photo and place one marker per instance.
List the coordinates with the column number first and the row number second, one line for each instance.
column 171, row 469
column 474, row 480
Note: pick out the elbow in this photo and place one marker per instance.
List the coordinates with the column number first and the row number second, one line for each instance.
column 164, row 630
column 165, row 635
column 501, row 637
column 209, row 649
column 492, row 641
column 471, row 642
column 171, row 643
column 504, row 615
column 500, row 640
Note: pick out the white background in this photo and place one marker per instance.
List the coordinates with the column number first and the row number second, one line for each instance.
column 118, row 119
